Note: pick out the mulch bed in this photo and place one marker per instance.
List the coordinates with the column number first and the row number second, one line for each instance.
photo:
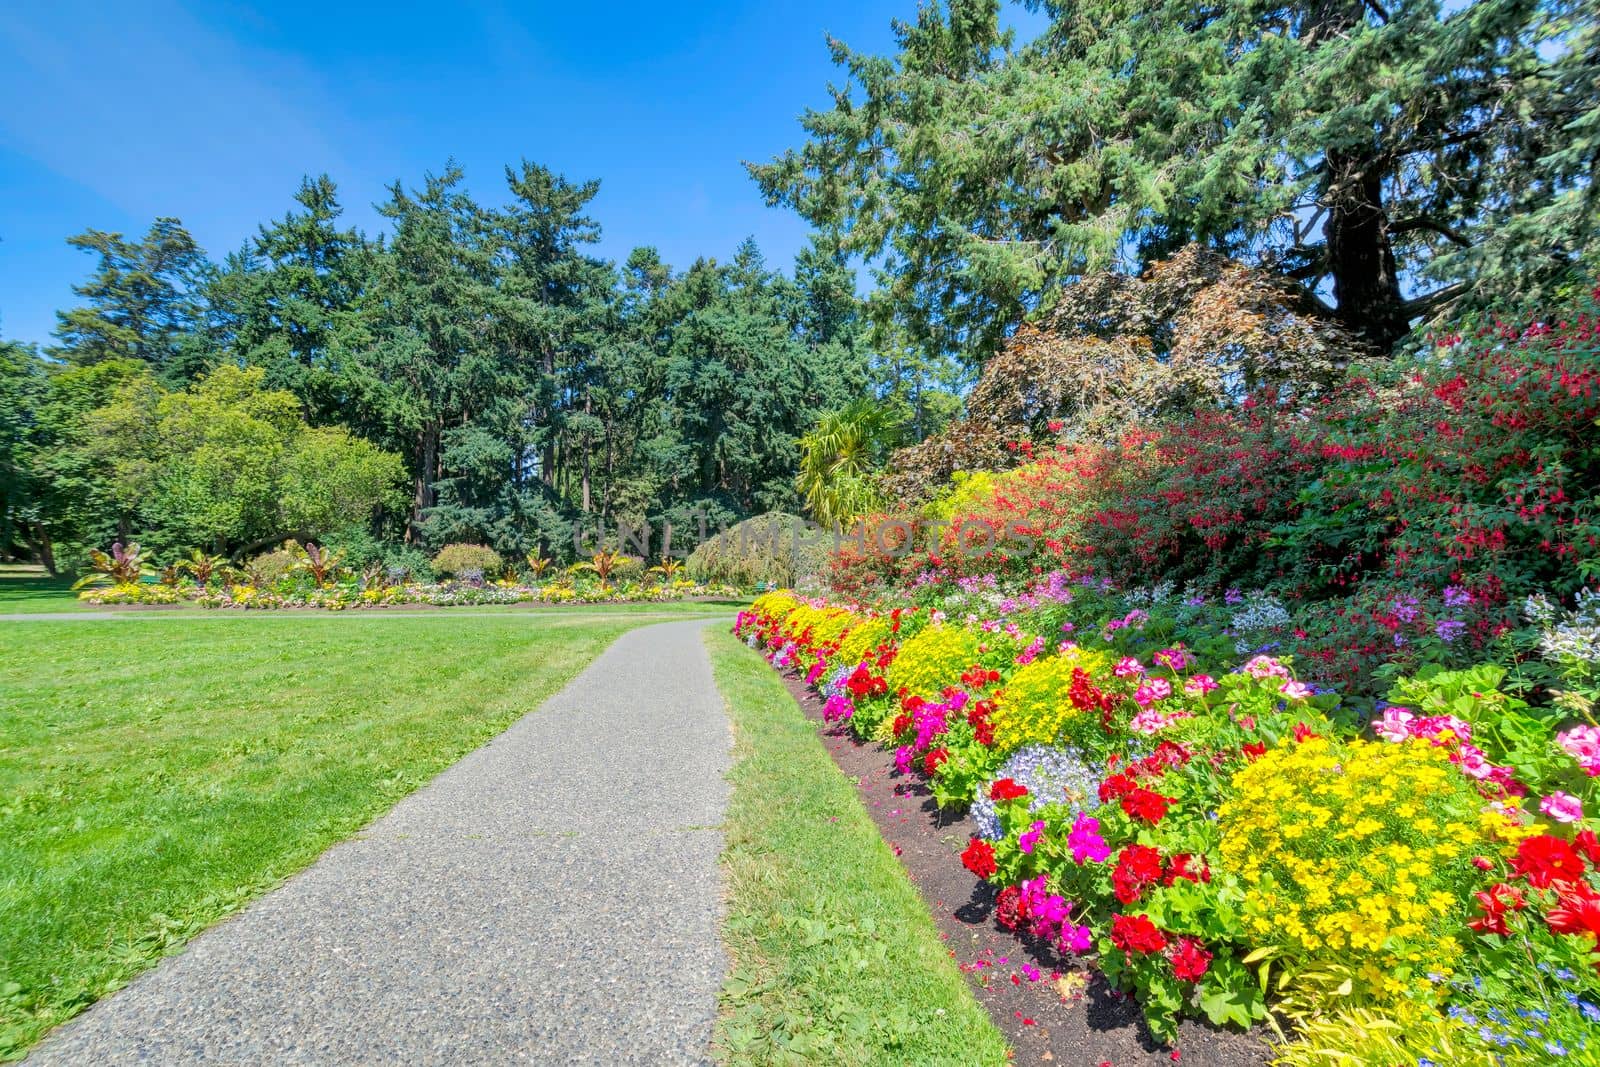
column 1050, row 1011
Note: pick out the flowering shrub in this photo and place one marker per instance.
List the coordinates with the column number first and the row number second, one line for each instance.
column 1048, row 699
column 1356, row 860
column 931, row 660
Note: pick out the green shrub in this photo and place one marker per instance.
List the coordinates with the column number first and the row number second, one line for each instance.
column 775, row 549
column 270, row 568
column 452, row 560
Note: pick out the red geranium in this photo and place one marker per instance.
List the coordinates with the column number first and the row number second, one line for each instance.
column 1190, row 960
column 1182, row 866
column 932, row 761
column 1576, row 912
column 983, row 732
column 1496, row 903
column 1117, row 786
column 1588, row 846
column 1146, row 805
column 1007, row 789
column 1138, row 867
column 1136, row 933
column 979, row 858
column 1545, row 859
column 1009, row 909
column 901, row 724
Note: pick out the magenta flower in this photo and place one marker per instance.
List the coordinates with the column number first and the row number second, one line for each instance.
column 1199, row 685
column 1562, row 807
column 1127, row 667
column 1582, row 743
column 1030, row 837
column 1086, row 843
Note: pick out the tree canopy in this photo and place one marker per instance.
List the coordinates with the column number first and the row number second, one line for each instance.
column 1393, row 159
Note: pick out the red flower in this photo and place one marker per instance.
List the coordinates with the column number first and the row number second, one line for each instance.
column 1588, row 846
column 979, row 858
column 1190, row 960
column 1146, row 805
column 1545, row 859
column 983, row 732
column 1255, row 750
column 1009, row 909
column 1136, row 933
column 1117, row 786
column 932, row 761
column 902, row 723
column 1006, row 789
column 1181, row 867
column 1495, row 903
column 1302, row 732
column 1577, row 912
column 1138, row 867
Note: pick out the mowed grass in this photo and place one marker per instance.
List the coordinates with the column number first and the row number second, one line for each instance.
column 30, row 590
column 835, row 958
column 158, row 772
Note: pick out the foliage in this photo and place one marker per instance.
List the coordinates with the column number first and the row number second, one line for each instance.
column 837, row 459
column 452, row 560
column 1344, row 148
column 271, row 568
column 123, row 565
column 772, row 549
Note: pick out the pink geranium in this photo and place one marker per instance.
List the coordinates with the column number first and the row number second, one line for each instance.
column 1127, row 667
column 1562, row 807
column 1199, row 685
column 1582, row 743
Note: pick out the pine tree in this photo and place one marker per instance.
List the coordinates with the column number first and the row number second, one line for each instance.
column 144, row 301
column 1387, row 157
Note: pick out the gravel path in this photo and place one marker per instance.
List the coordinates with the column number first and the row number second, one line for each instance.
column 552, row 898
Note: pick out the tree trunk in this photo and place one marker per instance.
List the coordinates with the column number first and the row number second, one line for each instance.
column 43, row 550
column 1366, row 283
column 422, row 496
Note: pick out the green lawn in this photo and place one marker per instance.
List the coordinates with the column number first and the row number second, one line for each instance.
column 156, row 774
column 26, row 589
column 835, row 958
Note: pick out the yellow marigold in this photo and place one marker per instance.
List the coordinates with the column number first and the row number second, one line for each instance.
column 932, row 660
column 1034, row 705
column 776, row 604
column 1340, row 886
column 864, row 635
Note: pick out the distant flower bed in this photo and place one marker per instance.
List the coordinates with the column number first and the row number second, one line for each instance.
column 351, row 596
column 1161, row 796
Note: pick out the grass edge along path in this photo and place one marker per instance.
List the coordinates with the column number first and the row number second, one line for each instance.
column 833, row 955
column 151, row 787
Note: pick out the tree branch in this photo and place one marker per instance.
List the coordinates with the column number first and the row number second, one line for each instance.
column 1432, row 225
column 1424, row 304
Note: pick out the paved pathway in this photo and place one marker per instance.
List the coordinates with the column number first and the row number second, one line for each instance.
column 552, row 898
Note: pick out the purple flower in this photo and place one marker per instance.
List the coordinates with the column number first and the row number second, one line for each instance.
column 1449, row 629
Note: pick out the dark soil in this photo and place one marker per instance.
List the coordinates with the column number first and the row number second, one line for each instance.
column 1050, row 1011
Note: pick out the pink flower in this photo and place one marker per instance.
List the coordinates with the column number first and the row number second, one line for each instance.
column 1174, row 658
column 1562, row 807
column 1199, row 685
column 1472, row 762
column 1030, row 837
column 1582, row 743
column 1127, row 667
column 902, row 759
column 1076, row 938
column 1265, row 667
column 1151, row 691
column 1395, row 726
column 1296, row 690
column 1086, row 842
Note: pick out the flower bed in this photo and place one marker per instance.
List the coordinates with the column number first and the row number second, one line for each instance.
column 1161, row 798
column 354, row 594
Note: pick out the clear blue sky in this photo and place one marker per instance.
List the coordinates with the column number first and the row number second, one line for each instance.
column 115, row 113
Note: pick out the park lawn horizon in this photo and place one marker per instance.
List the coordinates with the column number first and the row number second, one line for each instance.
column 156, row 777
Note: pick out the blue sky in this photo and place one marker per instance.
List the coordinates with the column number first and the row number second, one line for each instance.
column 118, row 112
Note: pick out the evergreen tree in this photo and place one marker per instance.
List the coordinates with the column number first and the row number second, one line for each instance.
column 1387, row 157
column 281, row 298
column 144, row 302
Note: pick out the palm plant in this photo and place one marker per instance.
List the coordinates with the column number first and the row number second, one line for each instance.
column 838, row 458
column 538, row 564
column 317, row 561
column 669, row 568
column 602, row 563
column 203, row 567
column 123, row 565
